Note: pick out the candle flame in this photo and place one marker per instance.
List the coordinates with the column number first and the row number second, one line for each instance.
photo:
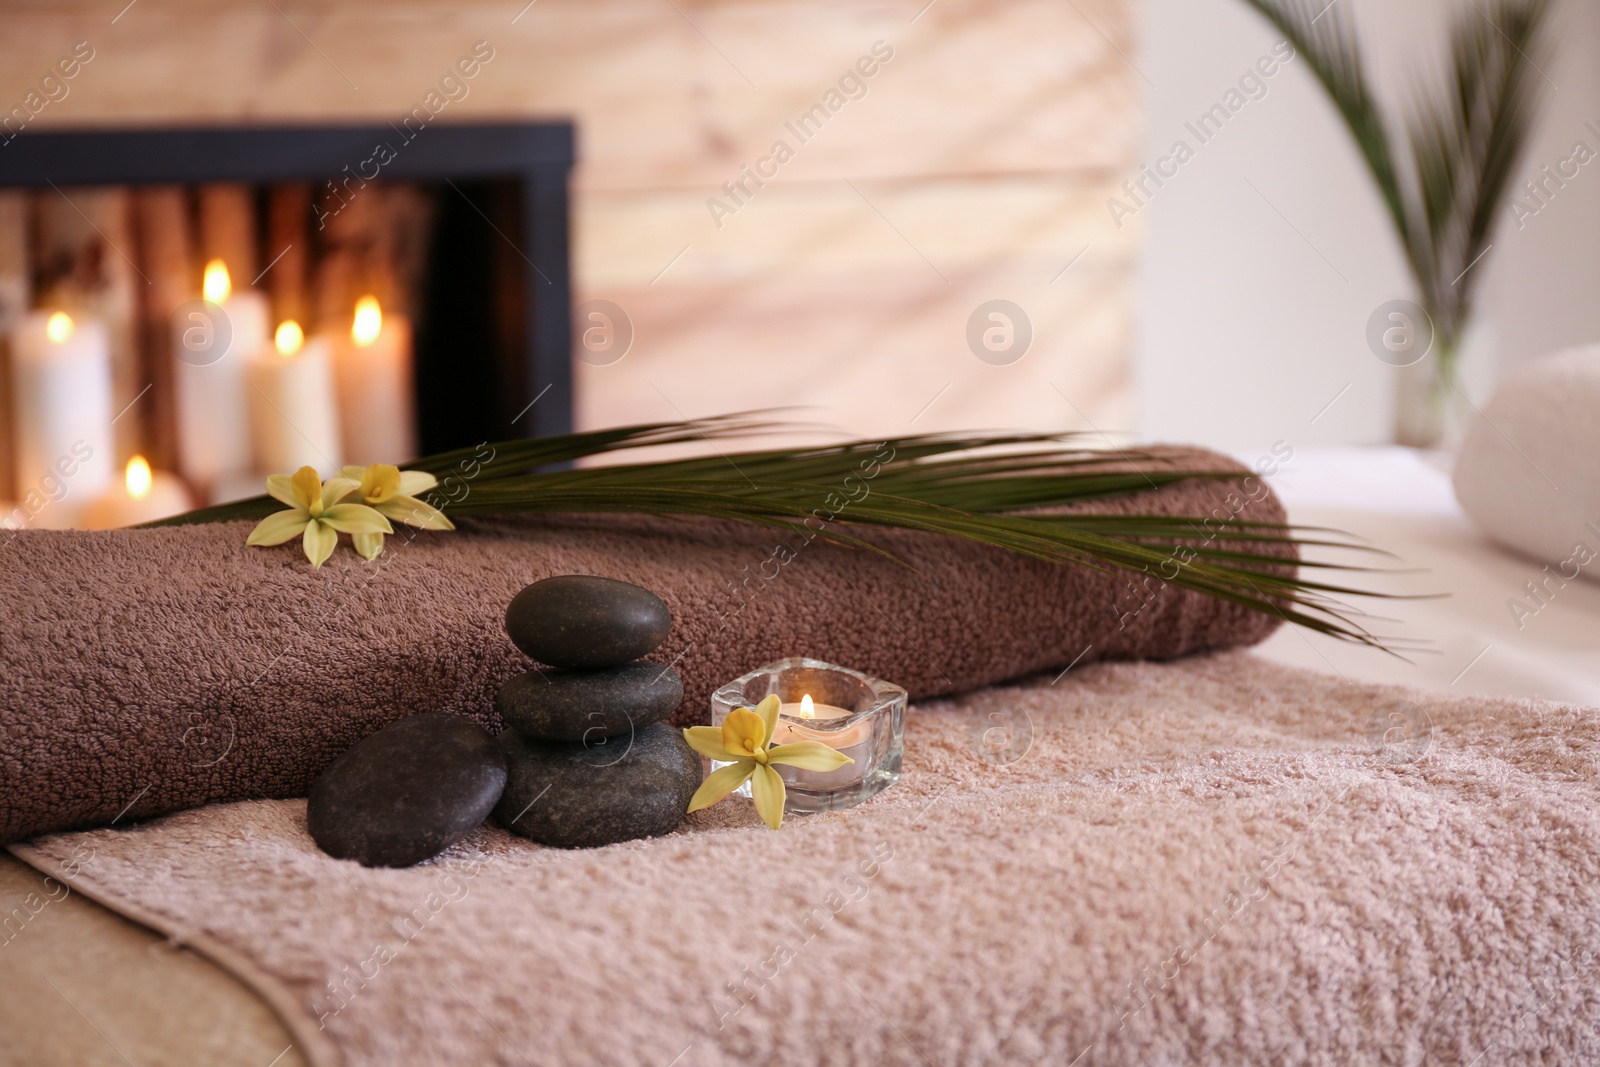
column 368, row 322
column 217, row 286
column 138, row 477
column 288, row 338
column 808, row 710
column 58, row 327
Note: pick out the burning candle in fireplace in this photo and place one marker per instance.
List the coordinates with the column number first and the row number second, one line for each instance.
column 144, row 496
column 212, row 341
column 61, row 377
column 294, row 421
column 373, row 368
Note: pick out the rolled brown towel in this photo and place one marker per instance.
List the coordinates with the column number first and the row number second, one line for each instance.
column 147, row 671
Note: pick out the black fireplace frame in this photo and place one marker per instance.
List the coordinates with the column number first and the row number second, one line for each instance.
column 538, row 156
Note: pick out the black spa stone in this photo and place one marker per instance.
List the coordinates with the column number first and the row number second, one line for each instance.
column 559, row 705
column 572, row 795
column 407, row 792
column 581, row 621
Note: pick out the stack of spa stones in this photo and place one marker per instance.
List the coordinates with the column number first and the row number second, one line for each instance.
column 586, row 759
column 589, row 760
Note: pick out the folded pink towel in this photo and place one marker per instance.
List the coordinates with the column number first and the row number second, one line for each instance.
column 148, row 671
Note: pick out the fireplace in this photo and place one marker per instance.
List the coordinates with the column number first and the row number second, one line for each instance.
column 372, row 292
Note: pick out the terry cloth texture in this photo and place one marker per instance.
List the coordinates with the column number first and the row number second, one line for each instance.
column 1218, row 860
column 147, row 671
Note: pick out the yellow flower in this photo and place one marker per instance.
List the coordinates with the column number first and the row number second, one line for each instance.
column 392, row 492
column 315, row 511
column 742, row 743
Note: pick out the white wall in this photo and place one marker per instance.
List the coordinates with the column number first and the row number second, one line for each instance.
column 1268, row 251
column 1548, row 276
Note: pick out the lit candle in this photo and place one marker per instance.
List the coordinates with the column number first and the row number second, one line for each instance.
column 373, row 368
column 61, row 382
column 210, row 353
column 293, row 416
column 868, row 726
column 144, row 496
column 809, row 709
column 853, row 740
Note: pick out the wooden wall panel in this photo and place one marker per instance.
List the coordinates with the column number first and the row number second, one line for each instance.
column 811, row 297
column 975, row 87
column 976, row 166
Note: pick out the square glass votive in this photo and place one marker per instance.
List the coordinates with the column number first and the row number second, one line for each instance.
column 861, row 716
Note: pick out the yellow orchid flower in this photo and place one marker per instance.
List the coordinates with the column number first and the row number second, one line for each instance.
column 392, row 493
column 743, row 743
column 316, row 513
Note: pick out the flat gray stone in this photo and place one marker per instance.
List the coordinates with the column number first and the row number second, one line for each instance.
column 558, row 705
column 407, row 792
column 582, row 622
column 571, row 795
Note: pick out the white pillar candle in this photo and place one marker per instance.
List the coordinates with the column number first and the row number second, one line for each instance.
column 294, row 419
column 377, row 412
column 143, row 496
column 61, row 392
column 209, row 371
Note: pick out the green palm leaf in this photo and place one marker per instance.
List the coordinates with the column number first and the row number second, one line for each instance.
column 987, row 489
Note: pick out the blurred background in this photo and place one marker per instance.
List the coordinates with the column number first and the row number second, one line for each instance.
column 976, row 164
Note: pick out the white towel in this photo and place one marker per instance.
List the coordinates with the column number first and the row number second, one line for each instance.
column 1529, row 469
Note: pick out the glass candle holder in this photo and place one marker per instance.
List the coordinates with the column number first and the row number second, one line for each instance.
column 861, row 716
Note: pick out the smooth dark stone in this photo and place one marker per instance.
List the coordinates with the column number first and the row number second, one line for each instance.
column 559, row 705
column 583, row 622
column 572, row 795
column 407, row 792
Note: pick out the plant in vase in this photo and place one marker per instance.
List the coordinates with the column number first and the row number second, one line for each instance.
column 1444, row 184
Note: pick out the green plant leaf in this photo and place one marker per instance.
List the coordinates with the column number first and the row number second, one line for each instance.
column 987, row 489
column 1445, row 192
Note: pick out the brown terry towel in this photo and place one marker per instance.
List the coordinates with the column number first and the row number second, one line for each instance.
column 147, row 671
